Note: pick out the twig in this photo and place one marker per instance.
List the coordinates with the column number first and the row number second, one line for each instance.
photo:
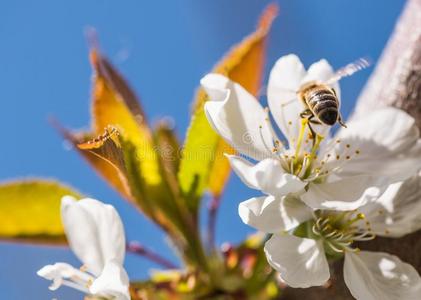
column 139, row 249
column 212, row 212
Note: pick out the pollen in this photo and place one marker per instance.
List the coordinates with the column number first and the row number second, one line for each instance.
column 89, row 283
column 338, row 157
column 338, row 141
column 357, row 152
column 361, row 216
column 289, row 123
column 83, row 268
column 348, row 145
column 348, row 157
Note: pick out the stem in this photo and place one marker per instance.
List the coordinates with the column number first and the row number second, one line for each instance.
column 139, row 249
column 213, row 210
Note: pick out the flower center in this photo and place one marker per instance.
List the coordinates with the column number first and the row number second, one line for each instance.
column 305, row 162
column 340, row 230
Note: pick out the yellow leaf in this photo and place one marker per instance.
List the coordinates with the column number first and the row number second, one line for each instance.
column 30, row 210
column 203, row 164
column 115, row 103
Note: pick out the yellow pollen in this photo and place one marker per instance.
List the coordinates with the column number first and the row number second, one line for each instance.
column 348, row 145
column 338, row 141
column 289, row 123
column 83, row 268
column 348, row 157
column 357, row 152
column 338, row 157
column 361, row 216
column 89, row 283
column 260, row 126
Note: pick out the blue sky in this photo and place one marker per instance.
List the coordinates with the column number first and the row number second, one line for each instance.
column 163, row 48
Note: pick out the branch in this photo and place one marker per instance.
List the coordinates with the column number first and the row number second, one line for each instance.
column 396, row 81
column 137, row 248
column 212, row 213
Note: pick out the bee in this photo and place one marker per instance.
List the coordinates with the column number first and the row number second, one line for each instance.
column 321, row 101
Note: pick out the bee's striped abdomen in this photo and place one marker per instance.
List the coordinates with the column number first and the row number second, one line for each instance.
column 324, row 104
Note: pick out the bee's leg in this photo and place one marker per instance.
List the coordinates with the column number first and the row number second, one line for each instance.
column 306, row 114
column 315, row 122
column 340, row 121
column 313, row 133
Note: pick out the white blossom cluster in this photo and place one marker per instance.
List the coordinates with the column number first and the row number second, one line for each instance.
column 323, row 195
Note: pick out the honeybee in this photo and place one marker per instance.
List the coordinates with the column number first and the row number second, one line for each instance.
column 320, row 100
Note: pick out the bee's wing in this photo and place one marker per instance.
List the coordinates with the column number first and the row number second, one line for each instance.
column 349, row 69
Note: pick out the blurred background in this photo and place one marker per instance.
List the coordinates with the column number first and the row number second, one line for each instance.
column 163, row 48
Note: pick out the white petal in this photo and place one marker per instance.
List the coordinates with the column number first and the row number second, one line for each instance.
column 344, row 194
column 284, row 82
column 267, row 176
column 61, row 271
column 376, row 275
column 238, row 117
column 274, row 214
column 94, row 231
column 301, row 262
column 388, row 141
column 398, row 211
column 112, row 281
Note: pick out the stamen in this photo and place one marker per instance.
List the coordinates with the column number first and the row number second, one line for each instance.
column 338, row 232
column 304, row 123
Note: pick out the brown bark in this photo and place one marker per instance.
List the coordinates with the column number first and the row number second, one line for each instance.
column 395, row 81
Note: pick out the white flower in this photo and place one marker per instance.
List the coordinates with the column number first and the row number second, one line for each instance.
column 341, row 173
column 302, row 261
column 96, row 235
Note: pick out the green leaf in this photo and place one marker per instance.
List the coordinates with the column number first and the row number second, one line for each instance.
column 30, row 210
